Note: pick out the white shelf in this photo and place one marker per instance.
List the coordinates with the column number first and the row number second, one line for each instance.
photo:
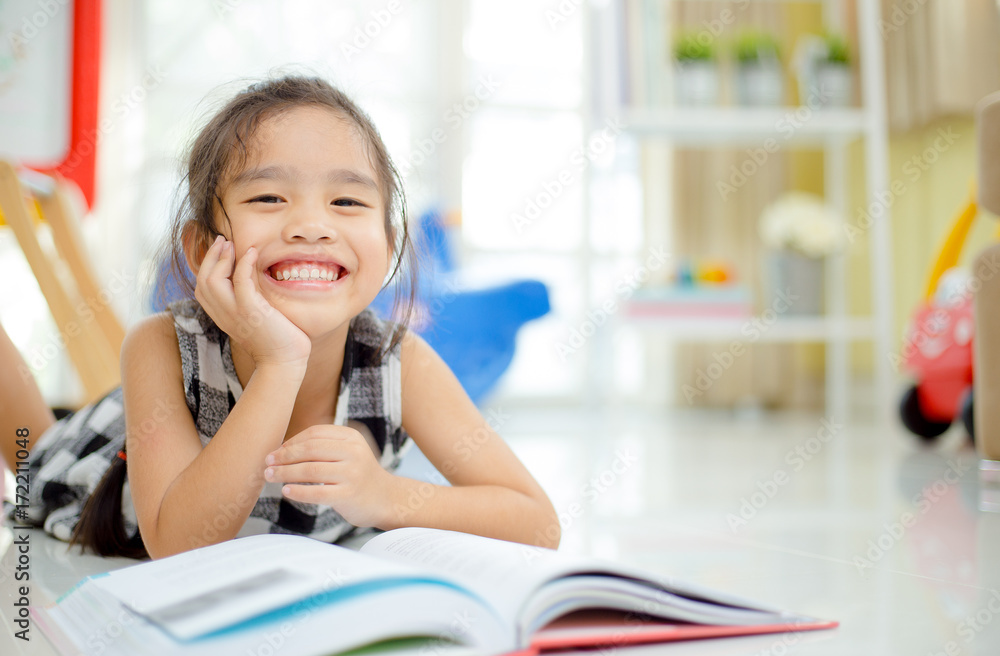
column 829, row 129
column 729, row 125
column 756, row 330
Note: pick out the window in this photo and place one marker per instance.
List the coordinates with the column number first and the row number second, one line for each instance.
column 526, row 207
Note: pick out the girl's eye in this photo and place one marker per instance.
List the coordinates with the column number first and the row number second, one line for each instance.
column 265, row 199
column 348, row 202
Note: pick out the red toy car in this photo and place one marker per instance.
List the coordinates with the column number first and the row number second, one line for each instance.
column 938, row 354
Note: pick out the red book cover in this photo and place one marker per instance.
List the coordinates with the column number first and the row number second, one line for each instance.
column 600, row 629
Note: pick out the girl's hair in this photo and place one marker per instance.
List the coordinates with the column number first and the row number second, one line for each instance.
column 101, row 527
column 221, row 150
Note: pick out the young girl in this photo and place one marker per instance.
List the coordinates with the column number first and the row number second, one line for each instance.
column 275, row 401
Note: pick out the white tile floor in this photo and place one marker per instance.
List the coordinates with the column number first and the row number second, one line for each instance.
column 853, row 523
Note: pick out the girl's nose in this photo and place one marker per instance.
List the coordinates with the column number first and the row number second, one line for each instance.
column 309, row 224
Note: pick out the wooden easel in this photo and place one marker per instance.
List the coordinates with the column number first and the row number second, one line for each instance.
column 88, row 327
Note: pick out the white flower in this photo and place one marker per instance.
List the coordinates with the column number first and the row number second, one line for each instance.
column 801, row 222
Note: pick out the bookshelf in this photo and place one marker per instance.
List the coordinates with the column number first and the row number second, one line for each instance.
column 740, row 127
column 631, row 85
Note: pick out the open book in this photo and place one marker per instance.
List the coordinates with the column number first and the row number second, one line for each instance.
column 296, row 596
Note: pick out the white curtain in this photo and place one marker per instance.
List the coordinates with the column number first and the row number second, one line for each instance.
column 942, row 57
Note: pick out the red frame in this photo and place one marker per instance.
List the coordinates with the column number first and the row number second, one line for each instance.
column 79, row 164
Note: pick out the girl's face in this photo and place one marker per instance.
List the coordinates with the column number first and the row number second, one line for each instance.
column 310, row 203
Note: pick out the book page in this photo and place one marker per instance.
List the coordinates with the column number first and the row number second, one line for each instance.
column 527, row 584
column 204, row 590
column 90, row 621
column 504, row 573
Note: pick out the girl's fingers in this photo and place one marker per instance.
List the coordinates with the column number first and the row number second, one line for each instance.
column 219, row 275
column 209, row 261
column 321, row 450
column 320, row 432
column 305, row 472
column 243, row 281
column 253, row 307
column 213, row 278
column 224, row 267
column 318, row 494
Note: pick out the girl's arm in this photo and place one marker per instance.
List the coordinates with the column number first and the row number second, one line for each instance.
column 492, row 494
column 24, row 414
column 186, row 496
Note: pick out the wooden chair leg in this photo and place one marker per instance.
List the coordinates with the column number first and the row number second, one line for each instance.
column 93, row 359
column 69, row 242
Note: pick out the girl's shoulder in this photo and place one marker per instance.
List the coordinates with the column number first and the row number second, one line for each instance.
column 171, row 335
column 155, row 328
column 151, row 345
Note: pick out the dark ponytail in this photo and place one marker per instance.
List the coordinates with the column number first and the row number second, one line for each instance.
column 101, row 527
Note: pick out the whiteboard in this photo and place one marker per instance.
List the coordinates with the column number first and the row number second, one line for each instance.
column 36, row 45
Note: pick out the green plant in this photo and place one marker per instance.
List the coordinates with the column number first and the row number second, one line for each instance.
column 694, row 46
column 837, row 50
column 752, row 46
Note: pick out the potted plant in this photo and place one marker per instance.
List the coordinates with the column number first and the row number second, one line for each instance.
column 823, row 64
column 833, row 73
column 759, row 75
column 697, row 73
column 799, row 231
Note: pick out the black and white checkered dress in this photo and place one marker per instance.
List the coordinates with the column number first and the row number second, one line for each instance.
column 72, row 456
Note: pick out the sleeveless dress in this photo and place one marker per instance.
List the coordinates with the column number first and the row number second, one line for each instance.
column 70, row 458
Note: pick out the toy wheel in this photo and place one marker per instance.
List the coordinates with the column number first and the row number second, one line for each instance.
column 914, row 419
column 968, row 415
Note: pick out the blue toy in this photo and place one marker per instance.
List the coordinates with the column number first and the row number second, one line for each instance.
column 473, row 330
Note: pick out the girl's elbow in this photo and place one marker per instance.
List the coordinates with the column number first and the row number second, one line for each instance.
column 156, row 547
column 157, row 539
column 157, row 552
column 550, row 532
column 551, row 538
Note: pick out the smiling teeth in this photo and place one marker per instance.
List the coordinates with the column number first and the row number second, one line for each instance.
column 305, row 273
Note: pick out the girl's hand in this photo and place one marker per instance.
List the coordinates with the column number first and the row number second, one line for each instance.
column 231, row 296
column 340, row 461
